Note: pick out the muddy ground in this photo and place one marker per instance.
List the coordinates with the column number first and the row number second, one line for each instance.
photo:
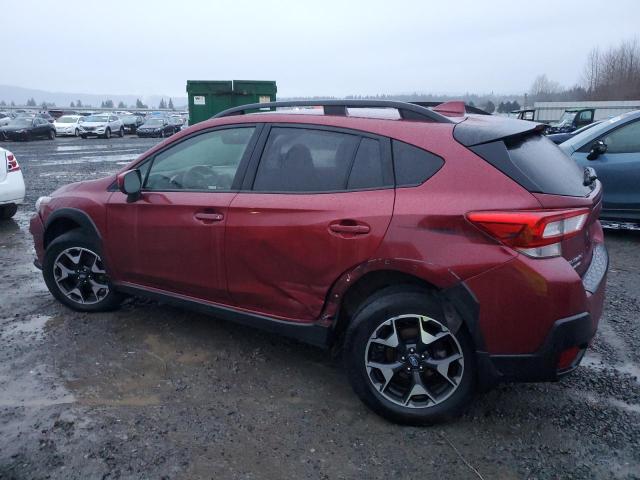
column 154, row 392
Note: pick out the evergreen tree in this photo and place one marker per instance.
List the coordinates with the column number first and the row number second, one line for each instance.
column 3, row 103
column 108, row 104
column 502, row 107
column 490, row 107
column 31, row 102
column 162, row 105
column 72, row 105
column 515, row 105
column 171, row 104
column 79, row 104
column 139, row 104
column 121, row 105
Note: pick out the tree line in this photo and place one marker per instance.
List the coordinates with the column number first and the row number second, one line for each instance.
column 31, row 102
column 612, row 74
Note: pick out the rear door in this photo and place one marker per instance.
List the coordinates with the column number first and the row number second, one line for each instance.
column 619, row 168
column 319, row 203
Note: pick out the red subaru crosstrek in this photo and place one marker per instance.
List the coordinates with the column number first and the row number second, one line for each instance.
column 443, row 251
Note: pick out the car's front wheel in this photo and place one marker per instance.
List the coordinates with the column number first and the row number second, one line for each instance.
column 8, row 210
column 75, row 274
column 52, row 134
column 121, row 132
column 406, row 362
column 107, row 133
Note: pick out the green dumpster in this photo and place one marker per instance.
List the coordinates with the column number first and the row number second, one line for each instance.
column 208, row 97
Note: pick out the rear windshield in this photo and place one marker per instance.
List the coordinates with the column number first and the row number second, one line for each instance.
column 547, row 166
column 537, row 164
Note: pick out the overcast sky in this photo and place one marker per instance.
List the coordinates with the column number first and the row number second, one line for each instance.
column 320, row 47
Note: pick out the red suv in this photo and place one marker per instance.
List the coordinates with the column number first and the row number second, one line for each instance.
column 442, row 251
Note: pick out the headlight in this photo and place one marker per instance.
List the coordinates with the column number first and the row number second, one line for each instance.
column 41, row 201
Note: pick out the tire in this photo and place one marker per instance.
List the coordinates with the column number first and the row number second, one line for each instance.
column 8, row 210
column 107, row 133
column 76, row 133
column 52, row 134
column 83, row 136
column 64, row 275
column 413, row 392
column 161, row 134
column 121, row 132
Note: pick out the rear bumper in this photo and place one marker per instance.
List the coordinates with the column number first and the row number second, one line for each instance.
column 12, row 188
column 542, row 366
column 571, row 334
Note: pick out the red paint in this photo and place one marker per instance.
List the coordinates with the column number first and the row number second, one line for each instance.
column 295, row 256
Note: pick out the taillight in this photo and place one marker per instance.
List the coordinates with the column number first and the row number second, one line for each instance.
column 536, row 233
column 12, row 163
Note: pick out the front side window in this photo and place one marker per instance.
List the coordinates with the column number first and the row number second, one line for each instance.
column 624, row 139
column 305, row 160
column 206, row 162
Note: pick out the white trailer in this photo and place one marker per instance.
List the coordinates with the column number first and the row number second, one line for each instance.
column 550, row 112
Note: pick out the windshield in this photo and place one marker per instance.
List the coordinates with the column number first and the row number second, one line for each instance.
column 97, row 118
column 21, row 122
column 154, row 122
column 586, row 135
column 67, row 120
column 567, row 118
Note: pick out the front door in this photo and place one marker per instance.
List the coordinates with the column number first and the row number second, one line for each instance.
column 172, row 238
column 618, row 169
column 319, row 205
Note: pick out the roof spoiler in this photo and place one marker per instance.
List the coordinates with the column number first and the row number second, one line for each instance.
column 486, row 129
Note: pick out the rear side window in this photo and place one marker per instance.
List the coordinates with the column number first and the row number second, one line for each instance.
column 369, row 170
column 413, row 165
column 305, row 160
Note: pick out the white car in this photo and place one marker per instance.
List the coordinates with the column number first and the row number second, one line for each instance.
column 68, row 125
column 101, row 125
column 11, row 184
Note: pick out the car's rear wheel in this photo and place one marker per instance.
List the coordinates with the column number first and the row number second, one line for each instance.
column 406, row 362
column 8, row 210
column 84, row 136
column 75, row 274
column 52, row 134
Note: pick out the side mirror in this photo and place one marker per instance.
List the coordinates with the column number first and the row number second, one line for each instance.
column 597, row 149
column 130, row 183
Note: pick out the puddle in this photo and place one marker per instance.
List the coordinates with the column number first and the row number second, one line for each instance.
column 33, row 327
column 596, row 363
column 92, row 159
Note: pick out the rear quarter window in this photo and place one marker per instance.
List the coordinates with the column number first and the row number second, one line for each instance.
column 412, row 165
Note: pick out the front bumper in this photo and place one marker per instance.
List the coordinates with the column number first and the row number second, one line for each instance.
column 146, row 133
column 36, row 228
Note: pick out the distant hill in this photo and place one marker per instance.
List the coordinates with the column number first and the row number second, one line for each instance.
column 20, row 96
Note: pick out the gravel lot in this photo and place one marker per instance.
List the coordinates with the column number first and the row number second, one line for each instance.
column 150, row 391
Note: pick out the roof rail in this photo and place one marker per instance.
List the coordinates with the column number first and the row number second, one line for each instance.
column 407, row 111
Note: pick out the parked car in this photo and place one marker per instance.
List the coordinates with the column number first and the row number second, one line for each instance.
column 5, row 118
column 68, row 125
column 612, row 148
column 27, row 128
column 572, row 120
column 176, row 122
column 131, row 122
column 444, row 253
column 156, row 127
column 11, row 184
column 558, row 138
column 101, row 125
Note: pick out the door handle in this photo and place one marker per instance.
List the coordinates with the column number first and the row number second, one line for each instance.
column 208, row 217
column 359, row 229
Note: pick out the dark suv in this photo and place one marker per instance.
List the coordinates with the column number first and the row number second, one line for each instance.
column 441, row 251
